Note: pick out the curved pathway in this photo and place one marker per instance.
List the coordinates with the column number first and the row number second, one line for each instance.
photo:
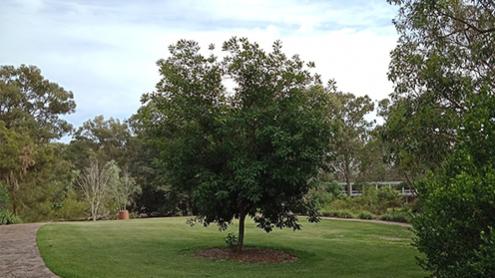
column 406, row 225
column 19, row 255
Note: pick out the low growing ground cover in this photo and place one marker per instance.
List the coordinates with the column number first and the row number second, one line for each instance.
column 168, row 247
column 382, row 204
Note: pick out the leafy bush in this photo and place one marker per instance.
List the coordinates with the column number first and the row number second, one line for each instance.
column 379, row 200
column 365, row 215
column 397, row 215
column 322, row 193
column 485, row 256
column 4, row 196
column 337, row 213
column 455, row 227
column 71, row 208
column 7, row 217
column 374, row 201
column 232, row 241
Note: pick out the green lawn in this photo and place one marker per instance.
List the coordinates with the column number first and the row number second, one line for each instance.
column 164, row 247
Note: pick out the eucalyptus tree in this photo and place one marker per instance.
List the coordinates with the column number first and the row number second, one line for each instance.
column 444, row 55
column 441, row 119
column 30, row 117
column 33, row 104
column 351, row 130
column 106, row 139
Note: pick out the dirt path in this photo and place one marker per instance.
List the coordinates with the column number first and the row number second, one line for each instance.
column 19, row 255
column 370, row 221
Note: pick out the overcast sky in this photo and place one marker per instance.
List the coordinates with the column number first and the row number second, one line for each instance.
column 105, row 51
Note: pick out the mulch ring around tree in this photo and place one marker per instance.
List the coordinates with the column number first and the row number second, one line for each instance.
column 248, row 255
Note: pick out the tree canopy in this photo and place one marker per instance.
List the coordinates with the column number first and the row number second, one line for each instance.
column 249, row 151
column 440, row 126
column 33, row 104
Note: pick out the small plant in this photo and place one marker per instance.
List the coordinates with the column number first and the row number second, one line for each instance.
column 365, row 215
column 7, row 217
column 397, row 215
column 232, row 241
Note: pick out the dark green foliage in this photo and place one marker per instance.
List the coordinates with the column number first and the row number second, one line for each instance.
column 376, row 201
column 104, row 139
column 457, row 218
column 7, row 217
column 365, row 215
column 397, row 215
column 458, row 209
column 457, row 212
column 243, row 153
column 442, row 120
column 379, row 200
column 231, row 240
column 485, row 256
column 323, row 192
column 4, row 197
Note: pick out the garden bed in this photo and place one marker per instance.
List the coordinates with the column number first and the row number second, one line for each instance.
column 248, row 255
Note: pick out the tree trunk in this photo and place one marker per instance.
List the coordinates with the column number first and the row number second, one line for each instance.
column 14, row 202
column 347, row 174
column 93, row 212
column 240, row 244
column 190, row 209
column 349, row 186
column 13, row 185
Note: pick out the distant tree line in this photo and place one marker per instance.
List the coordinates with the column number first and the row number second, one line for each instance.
column 43, row 177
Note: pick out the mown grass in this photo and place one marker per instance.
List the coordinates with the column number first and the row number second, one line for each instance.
column 164, row 247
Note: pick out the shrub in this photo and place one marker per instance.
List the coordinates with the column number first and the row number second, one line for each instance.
column 485, row 257
column 454, row 228
column 4, row 197
column 379, row 200
column 7, row 217
column 322, row 193
column 71, row 209
column 337, row 213
column 232, row 241
column 365, row 215
column 397, row 215
column 375, row 201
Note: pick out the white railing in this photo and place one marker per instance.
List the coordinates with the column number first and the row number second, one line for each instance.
column 399, row 185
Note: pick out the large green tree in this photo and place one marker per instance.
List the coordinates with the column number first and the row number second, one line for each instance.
column 249, row 151
column 31, row 103
column 105, row 139
column 157, row 196
column 441, row 119
column 30, row 116
column 444, row 54
column 351, row 129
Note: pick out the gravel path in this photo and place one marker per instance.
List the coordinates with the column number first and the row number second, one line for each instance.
column 370, row 221
column 19, row 255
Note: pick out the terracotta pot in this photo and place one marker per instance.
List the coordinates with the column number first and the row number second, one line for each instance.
column 123, row 215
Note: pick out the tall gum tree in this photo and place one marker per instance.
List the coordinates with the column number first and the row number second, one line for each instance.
column 30, row 109
column 351, row 130
column 442, row 122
